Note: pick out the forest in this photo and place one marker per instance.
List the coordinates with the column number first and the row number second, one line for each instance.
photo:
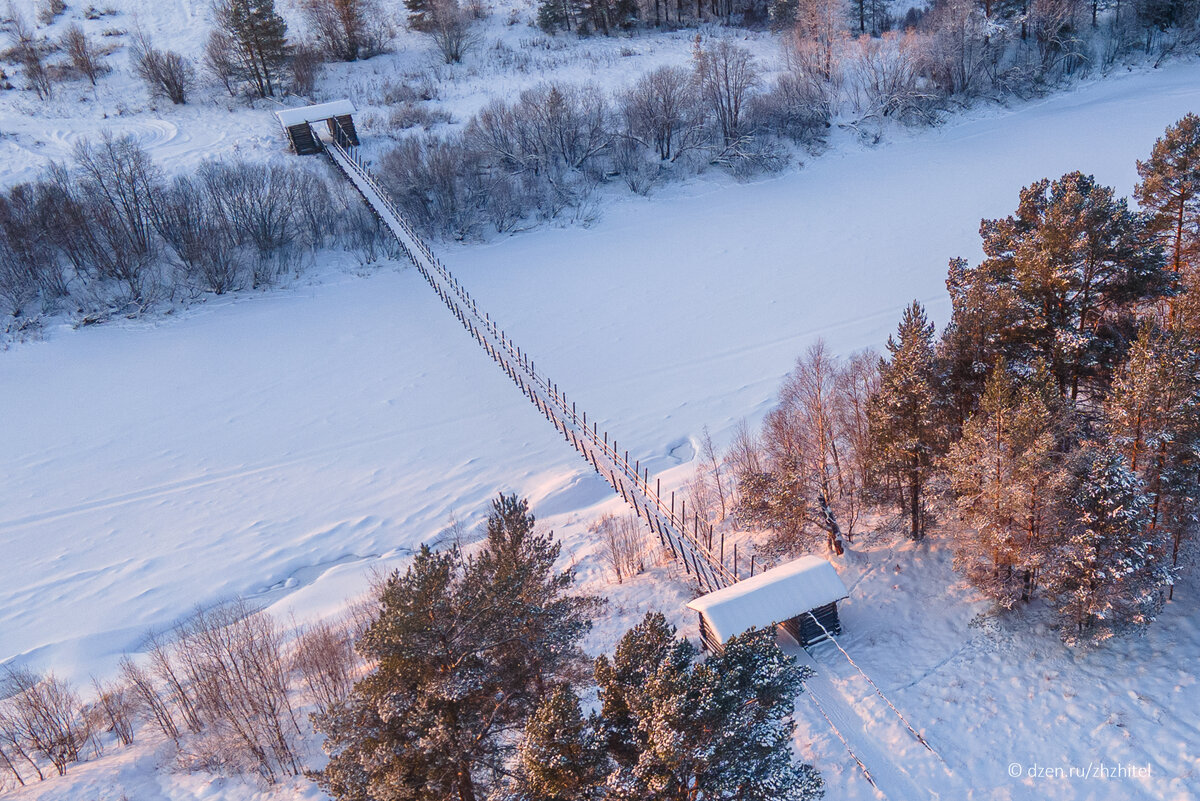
column 1050, row 430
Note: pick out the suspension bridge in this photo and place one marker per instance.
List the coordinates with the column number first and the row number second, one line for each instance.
column 689, row 541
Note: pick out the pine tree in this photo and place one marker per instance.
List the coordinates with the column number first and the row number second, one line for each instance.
column 1075, row 260
column 257, row 35
column 561, row 757
column 782, row 14
column 1109, row 573
column 553, row 15
column 981, row 331
column 717, row 730
column 745, row 699
column 463, row 649
column 649, row 651
column 905, row 417
column 1153, row 417
column 1006, row 475
column 421, row 14
column 1169, row 191
column 545, row 623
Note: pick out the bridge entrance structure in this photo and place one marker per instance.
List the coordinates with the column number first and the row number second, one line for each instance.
column 337, row 115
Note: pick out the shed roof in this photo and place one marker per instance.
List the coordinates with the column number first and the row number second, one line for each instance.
column 321, row 111
column 772, row 596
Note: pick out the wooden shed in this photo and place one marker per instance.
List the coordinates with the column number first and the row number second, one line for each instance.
column 337, row 116
column 790, row 595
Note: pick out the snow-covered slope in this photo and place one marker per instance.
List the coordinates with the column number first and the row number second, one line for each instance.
column 277, row 445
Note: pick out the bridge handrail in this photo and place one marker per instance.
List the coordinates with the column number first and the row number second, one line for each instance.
column 718, row 574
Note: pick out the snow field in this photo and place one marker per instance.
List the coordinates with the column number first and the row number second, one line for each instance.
column 279, row 446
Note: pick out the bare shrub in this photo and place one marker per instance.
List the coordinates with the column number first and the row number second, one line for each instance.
column 200, row 238
column 305, row 65
column 48, row 715
column 361, row 231
column 794, row 107
column 888, row 78
column 16, row 755
column 29, row 262
column 551, row 128
column 28, row 52
column 639, row 169
column 814, row 75
column 260, row 203
column 624, row 547
column 242, row 687
column 821, row 29
column 411, row 115
column 437, row 183
column 50, row 10
column 450, row 27
column 119, row 191
column 116, row 702
column 347, row 30
column 148, row 698
column 963, row 47
column 1054, row 26
column 725, row 74
column 165, row 72
column 171, row 666
column 662, row 111
column 84, row 55
column 324, row 657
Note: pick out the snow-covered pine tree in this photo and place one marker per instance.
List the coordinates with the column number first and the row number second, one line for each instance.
column 1073, row 259
column 1006, row 474
column 905, row 417
column 650, row 652
column 1153, row 417
column 746, row 695
column 1110, row 572
column 257, row 36
column 982, row 329
column 544, row 622
column 561, row 757
column 464, row 650
column 782, row 14
column 1169, row 192
column 718, row 730
column 554, row 15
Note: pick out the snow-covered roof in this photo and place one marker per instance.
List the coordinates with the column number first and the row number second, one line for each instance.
column 772, row 596
column 321, row 111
